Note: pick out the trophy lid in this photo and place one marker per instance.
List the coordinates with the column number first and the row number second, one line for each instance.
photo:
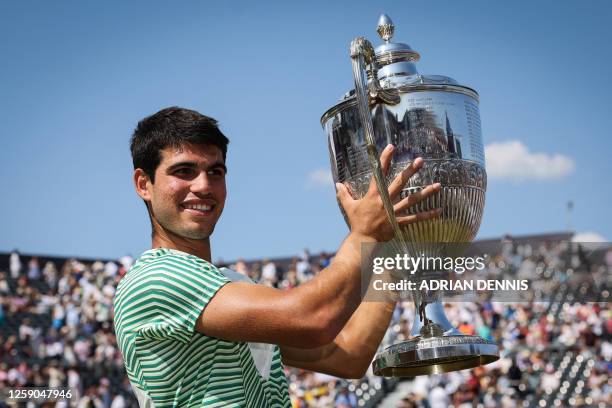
column 392, row 58
column 391, row 52
column 395, row 61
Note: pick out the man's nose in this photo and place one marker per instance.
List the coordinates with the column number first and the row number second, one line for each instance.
column 201, row 184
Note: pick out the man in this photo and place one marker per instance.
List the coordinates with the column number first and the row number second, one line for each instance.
column 190, row 333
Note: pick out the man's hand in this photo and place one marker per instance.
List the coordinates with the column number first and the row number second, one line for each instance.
column 367, row 216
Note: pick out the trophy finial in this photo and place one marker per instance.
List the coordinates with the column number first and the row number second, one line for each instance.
column 385, row 27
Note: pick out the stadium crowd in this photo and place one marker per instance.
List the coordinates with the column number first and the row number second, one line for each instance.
column 56, row 331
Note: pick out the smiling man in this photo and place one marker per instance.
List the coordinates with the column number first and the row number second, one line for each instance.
column 194, row 335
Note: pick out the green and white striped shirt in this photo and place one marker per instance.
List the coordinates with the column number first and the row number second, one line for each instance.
column 168, row 363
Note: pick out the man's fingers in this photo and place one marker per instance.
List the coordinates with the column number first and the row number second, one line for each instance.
column 385, row 164
column 400, row 181
column 413, row 199
column 422, row 216
column 343, row 194
column 385, row 158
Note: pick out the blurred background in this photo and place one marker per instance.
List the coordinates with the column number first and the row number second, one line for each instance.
column 56, row 330
column 78, row 76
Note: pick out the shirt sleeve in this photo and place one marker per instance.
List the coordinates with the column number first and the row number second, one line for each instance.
column 173, row 296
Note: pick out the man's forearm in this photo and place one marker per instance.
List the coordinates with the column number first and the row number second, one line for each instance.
column 334, row 294
column 351, row 352
column 358, row 341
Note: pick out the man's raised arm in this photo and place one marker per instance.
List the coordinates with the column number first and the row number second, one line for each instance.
column 313, row 314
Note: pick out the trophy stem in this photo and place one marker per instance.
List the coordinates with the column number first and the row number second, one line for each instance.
column 430, row 320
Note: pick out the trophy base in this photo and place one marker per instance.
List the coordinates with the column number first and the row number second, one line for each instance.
column 434, row 355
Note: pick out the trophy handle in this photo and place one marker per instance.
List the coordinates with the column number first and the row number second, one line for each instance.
column 362, row 58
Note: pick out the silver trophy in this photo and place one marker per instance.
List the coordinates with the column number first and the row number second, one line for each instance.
column 432, row 117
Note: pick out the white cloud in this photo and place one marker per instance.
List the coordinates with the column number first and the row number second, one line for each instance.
column 512, row 160
column 589, row 236
column 319, row 178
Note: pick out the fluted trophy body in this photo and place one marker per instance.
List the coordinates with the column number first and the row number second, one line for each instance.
column 440, row 125
column 426, row 116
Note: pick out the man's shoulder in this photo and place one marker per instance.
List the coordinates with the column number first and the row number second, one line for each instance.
column 168, row 269
column 165, row 259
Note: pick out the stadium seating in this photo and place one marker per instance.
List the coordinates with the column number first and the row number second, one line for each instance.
column 561, row 346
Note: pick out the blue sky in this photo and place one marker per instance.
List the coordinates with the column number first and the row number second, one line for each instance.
column 77, row 76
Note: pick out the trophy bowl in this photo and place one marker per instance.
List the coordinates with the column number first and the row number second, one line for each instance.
column 432, row 117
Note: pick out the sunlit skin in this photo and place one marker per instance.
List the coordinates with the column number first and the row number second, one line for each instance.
column 191, row 175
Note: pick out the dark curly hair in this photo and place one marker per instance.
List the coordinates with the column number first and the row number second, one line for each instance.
column 172, row 127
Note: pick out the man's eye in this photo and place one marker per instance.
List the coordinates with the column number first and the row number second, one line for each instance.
column 184, row 172
column 216, row 172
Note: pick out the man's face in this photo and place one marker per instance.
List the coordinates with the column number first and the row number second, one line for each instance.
column 189, row 192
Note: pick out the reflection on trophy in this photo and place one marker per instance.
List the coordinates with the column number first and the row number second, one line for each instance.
column 432, row 117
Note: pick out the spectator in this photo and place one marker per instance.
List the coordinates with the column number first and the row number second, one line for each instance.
column 33, row 269
column 438, row 397
column 15, row 264
column 345, row 399
column 268, row 273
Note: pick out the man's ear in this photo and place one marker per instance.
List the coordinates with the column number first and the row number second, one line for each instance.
column 142, row 182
